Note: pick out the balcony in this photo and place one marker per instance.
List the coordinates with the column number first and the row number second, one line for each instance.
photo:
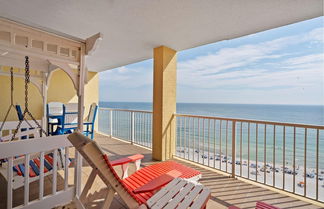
column 48, row 44
column 226, row 191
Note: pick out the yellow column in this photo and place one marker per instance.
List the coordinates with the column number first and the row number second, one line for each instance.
column 164, row 102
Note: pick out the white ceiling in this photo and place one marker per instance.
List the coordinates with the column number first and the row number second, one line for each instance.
column 132, row 28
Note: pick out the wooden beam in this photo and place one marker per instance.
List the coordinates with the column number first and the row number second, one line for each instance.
column 54, row 65
column 92, row 43
column 27, row 41
column 14, row 60
column 80, row 93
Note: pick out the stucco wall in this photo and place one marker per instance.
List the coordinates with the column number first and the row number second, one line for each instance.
column 60, row 89
column 35, row 98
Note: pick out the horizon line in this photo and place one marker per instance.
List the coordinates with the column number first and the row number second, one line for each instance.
column 220, row 103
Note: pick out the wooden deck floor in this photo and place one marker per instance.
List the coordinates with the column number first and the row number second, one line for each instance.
column 225, row 191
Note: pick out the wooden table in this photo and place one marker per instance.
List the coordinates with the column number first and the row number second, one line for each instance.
column 180, row 194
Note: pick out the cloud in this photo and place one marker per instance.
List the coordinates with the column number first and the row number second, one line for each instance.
column 316, row 35
column 127, row 77
column 228, row 58
column 284, row 70
column 307, row 59
column 252, row 66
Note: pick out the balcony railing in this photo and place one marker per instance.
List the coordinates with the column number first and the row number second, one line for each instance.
column 286, row 156
column 130, row 125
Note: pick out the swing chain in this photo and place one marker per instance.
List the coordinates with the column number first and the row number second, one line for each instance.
column 26, row 111
column 27, row 79
column 11, row 83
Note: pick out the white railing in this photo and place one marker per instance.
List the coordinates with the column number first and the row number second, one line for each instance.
column 134, row 126
column 22, row 152
column 287, row 156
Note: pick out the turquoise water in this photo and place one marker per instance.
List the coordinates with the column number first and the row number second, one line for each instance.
column 188, row 134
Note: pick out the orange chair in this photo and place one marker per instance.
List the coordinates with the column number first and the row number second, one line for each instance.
column 136, row 189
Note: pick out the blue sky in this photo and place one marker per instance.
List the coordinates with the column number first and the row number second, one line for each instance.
column 279, row 66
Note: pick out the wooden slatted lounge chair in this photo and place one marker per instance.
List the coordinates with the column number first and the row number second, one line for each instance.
column 136, row 189
column 259, row 205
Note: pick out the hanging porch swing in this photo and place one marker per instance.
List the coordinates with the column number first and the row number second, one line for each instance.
column 30, row 160
column 26, row 111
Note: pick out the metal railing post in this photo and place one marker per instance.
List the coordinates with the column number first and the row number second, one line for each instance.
column 111, row 123
column 132, row 127
column 233, row 148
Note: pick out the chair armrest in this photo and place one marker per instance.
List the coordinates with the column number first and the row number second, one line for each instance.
column 126, row 160
column 124, row 163
column 158, row 182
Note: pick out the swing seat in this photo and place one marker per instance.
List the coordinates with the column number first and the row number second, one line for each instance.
column 34, row 169
column 35, row 166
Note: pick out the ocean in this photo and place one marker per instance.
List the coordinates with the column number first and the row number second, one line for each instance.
column 302, row 114
column 306, row 114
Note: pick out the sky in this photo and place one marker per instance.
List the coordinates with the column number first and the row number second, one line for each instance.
column 280, row 66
